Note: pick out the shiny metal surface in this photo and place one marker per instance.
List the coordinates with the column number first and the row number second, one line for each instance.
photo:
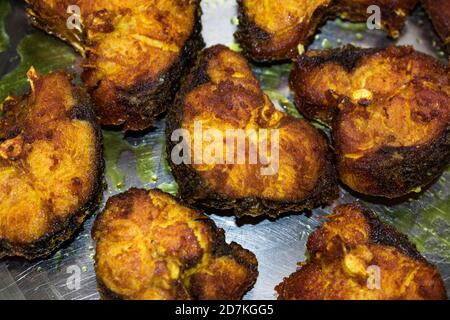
column 279, row 244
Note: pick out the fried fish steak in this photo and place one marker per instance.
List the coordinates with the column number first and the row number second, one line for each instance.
column 135, row 51
column 222, row 94
column 150, row 247
column 439, row 12
column 355, row 256
column 51, row 166
column 389, row 110
column 272, row 30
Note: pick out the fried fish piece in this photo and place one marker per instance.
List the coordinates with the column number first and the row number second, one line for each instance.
column 222, row 95
column 135, row 51
column 355, row 256
column 149, row 246
column 51, row 166
column 389, row 110
column 439, row 12
column 272, row 30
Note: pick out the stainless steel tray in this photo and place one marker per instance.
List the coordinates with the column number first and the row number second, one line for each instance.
column 139, row 160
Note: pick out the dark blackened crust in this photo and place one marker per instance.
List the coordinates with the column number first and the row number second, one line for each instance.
column 64, row 230
column 415, row 167
column 254, row 40
column 145, row 102
column 348, row 57
column 194, row 192
column 105, row 293
column 384, row 234
column 249, row 35
column 193, row 189
column 439, row 12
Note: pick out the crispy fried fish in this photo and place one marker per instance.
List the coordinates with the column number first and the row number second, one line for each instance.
column 355, row 256
column 389, row 110
column 135, row 51
column 439, row 12
column 51, row 166
column 222, row 94
column 149, row 246
column 271, row 30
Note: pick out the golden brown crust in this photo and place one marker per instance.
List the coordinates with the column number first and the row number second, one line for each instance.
column 390, row 113
column 345, row 252
column 135, row 54
column 221, row 93
column 271, row 30
column 439, row 12
column 50, row 166
column 151, row 247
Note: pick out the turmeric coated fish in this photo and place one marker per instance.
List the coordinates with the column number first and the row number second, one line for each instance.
column 355, row 256
column 223, row 161
column 135, row 52
column 51, row 166
column 150, row 247
column 389, row 110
